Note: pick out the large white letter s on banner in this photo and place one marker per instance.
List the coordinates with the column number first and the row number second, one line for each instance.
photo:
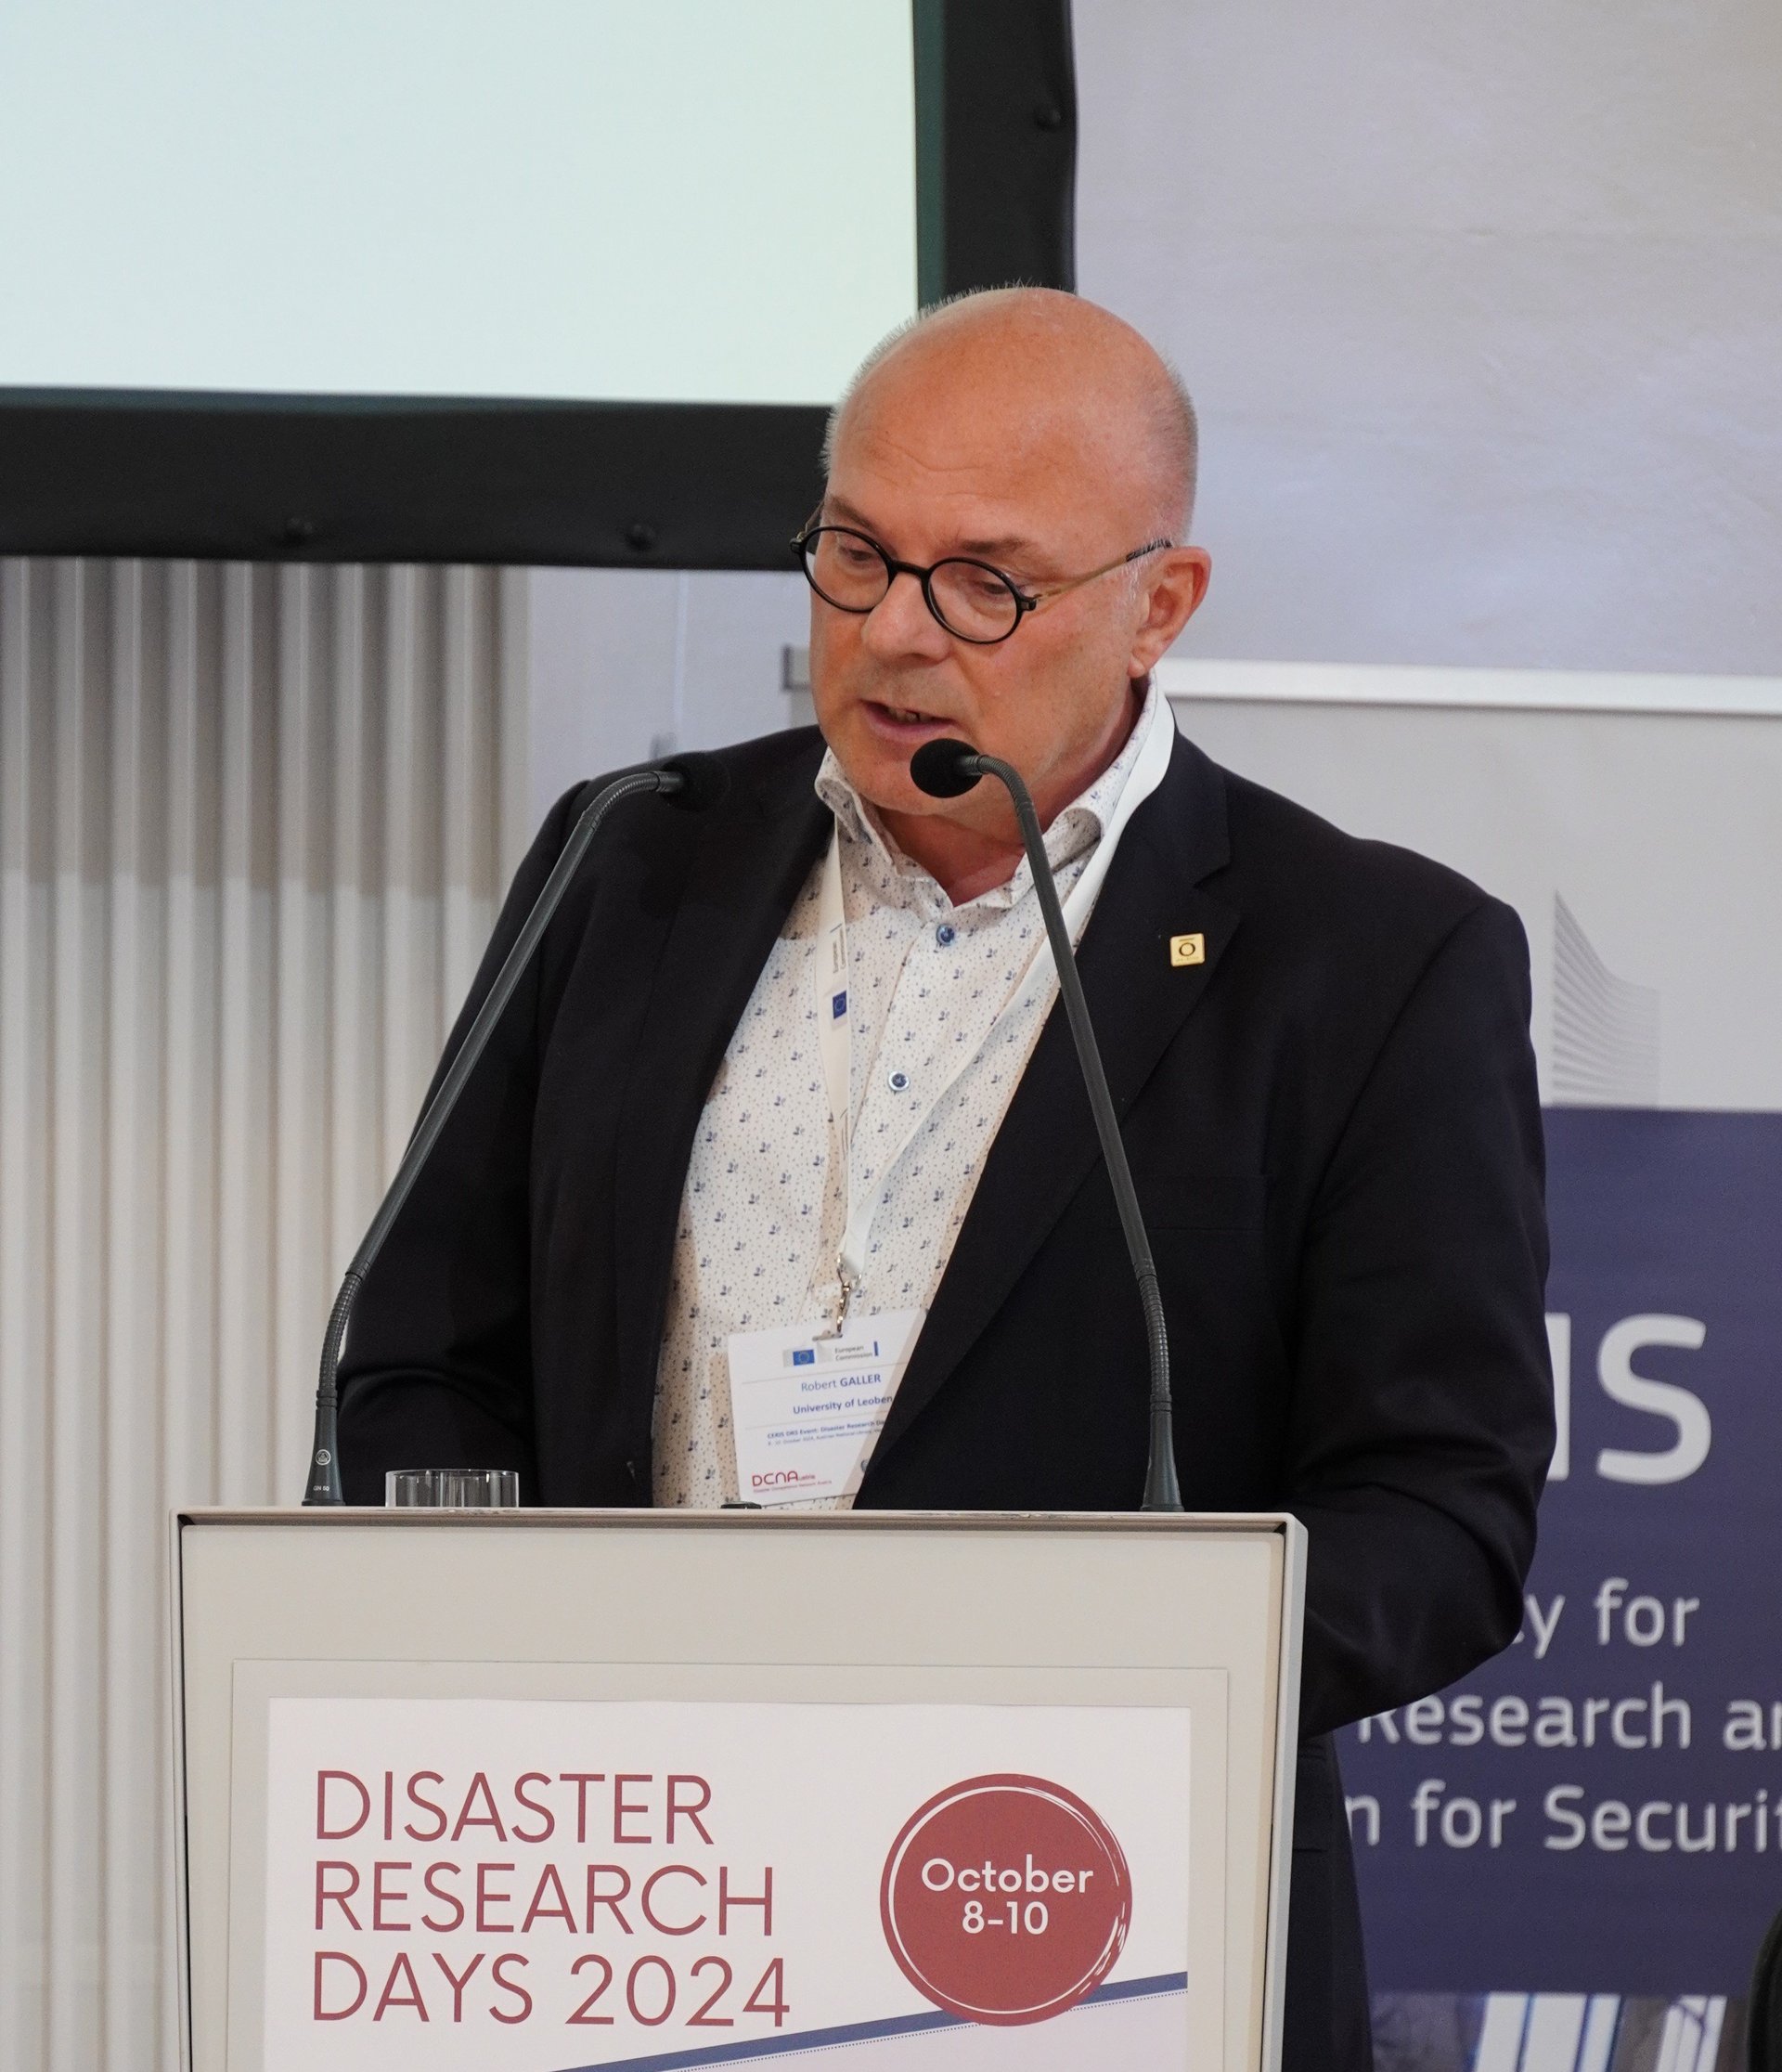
column 1659, row 1399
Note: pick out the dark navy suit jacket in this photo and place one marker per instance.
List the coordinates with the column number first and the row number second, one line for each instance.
column 1335, row 1132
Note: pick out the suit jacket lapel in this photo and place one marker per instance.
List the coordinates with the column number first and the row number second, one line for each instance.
column 752, row 857
column 1138, row 999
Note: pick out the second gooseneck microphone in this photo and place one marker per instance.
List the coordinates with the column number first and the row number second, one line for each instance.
column 948, row 769
column 691, row 781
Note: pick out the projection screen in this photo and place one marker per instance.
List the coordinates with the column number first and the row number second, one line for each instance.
column 380, row 277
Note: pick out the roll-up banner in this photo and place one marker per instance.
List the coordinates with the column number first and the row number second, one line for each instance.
column 1568, row 1860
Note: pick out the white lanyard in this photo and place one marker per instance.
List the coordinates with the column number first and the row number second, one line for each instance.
column 834, row 1019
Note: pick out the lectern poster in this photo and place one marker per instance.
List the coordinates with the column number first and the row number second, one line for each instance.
column 546, row 1885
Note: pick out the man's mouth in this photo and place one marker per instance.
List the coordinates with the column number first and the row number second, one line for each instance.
column 901, row 720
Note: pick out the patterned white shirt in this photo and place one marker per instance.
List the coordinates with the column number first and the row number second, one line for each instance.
column 764, row 1202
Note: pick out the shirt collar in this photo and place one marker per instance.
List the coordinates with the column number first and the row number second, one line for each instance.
column 1072, row 835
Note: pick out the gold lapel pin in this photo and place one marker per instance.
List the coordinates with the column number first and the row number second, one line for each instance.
column 1188, row 949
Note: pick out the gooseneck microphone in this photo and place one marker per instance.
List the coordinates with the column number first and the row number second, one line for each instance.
column 693, row 781
column 948, row 769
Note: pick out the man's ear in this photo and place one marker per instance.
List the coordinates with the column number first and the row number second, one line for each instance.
column 1173, row 591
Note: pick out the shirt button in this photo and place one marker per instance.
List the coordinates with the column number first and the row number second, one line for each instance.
column 898, row 1080
column 945, row 933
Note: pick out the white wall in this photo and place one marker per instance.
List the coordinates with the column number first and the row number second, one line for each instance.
column 628, row 663
column 1483, row 309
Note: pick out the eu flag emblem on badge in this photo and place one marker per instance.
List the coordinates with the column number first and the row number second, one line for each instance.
column 838, row 1006
column 802, row 1356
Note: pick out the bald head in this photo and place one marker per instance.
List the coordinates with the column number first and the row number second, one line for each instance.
column 1063, row 371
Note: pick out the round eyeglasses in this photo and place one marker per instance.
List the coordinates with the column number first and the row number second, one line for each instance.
column 972, row 601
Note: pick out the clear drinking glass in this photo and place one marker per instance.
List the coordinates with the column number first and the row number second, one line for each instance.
column 452, row 1489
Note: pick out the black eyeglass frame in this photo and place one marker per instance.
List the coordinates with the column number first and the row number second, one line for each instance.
column 1025, row 602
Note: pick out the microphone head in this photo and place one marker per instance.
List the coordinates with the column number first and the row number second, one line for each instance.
column 942, row 769
column 700, row 778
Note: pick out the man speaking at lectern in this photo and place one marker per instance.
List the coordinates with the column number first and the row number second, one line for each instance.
column 794, row 1058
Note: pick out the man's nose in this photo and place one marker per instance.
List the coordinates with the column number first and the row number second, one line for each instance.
column 901, row 623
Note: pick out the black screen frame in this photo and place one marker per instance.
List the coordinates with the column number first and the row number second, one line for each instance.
column 593, row 485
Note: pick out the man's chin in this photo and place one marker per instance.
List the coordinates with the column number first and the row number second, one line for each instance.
column 885, row 786
column 875, row 757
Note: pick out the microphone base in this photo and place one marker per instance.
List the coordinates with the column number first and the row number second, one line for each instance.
column 324, row 1487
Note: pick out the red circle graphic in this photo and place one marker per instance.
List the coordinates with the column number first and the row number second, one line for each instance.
column 1005, row 1899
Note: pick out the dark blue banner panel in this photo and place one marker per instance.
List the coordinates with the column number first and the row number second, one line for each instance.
column 1600, row 1810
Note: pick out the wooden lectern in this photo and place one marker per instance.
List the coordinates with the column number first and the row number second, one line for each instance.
column 547, row 1790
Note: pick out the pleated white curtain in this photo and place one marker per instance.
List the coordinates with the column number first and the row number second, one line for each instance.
column 253, row 826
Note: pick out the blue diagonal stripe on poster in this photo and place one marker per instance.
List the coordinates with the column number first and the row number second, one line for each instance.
column 859, row 2032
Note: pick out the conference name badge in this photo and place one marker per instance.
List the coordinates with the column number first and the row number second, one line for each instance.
column 806, row 1407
